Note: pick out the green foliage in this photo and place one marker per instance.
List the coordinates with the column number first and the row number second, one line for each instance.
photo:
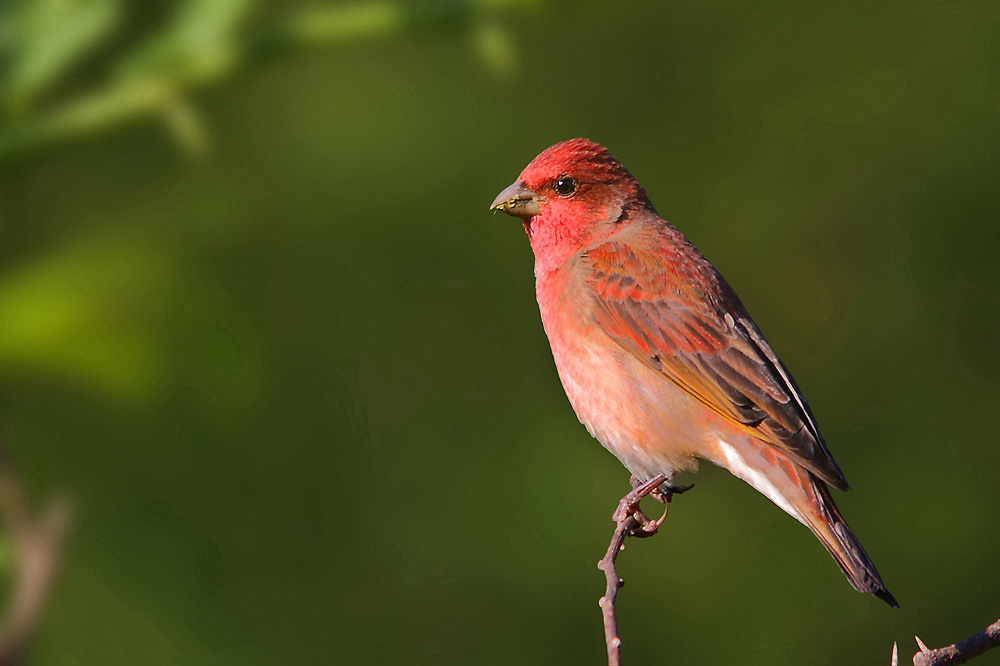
column 47, row 37
column 83, row 313
column 201, row 43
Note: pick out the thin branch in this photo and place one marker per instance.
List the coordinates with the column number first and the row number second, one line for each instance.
column 629, row 521
column 38, row 547
column 961, row 652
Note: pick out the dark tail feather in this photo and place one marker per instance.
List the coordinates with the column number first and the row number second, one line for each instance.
column 845, row 548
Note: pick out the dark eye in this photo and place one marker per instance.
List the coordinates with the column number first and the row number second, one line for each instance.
column 565, row 186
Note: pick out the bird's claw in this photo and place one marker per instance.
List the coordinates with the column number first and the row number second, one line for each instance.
column 646, row 527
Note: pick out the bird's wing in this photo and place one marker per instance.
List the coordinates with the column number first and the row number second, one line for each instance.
column 688, row 325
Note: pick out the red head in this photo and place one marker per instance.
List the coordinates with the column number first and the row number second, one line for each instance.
column 574, row 194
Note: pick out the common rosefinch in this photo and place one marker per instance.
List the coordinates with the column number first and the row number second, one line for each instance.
column 657, row 354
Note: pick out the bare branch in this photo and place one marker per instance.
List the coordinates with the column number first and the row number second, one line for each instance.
column 629, row 521
column 961, row 652
column 38, row 546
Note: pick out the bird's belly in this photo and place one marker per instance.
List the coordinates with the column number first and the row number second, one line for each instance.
column 646, row 421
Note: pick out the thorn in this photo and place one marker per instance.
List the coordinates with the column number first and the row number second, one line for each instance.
column 895, row 654
column 920, row 644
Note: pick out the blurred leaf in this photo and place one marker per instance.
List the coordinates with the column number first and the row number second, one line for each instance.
column 203, row 42
column 83, row 313
column 101, row 312
column 186, row 126
column 499, row 5
column 47, row 37
column 88, row 114
column 199, row 42
column 495, row 47
column 339, row 23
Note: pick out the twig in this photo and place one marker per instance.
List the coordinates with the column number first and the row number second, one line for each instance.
column 961, row 652
column 629, row 521
column 38, row 546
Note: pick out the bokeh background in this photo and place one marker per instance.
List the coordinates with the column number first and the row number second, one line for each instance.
column 258, row 323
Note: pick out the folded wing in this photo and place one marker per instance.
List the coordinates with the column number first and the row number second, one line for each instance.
column 706, row 344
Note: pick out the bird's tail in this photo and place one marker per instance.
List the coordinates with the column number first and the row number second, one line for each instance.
column 806, row 498
column 828, row 525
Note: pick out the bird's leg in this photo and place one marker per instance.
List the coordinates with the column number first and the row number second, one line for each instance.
column 666, row 491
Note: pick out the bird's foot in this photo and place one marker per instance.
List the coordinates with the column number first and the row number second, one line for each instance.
column 628, row 508
column 663, row 492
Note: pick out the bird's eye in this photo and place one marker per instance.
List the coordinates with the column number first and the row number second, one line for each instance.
column 565, row 186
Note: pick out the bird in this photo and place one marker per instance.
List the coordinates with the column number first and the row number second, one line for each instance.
column 659, row 357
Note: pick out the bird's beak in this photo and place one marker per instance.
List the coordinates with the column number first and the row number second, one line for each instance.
column 518, row 200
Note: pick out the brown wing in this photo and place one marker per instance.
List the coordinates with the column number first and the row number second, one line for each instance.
column 687, row 324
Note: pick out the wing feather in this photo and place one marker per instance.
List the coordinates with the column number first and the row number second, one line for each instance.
column 702, row 340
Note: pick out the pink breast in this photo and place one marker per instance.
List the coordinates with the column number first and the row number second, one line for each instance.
column 635, row 412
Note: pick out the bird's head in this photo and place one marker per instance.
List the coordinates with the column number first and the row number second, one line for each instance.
column 573, row 194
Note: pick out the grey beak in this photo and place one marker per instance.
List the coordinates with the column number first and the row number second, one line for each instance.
column 517, row 200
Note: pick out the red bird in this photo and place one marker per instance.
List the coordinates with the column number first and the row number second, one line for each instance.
column 657, row 354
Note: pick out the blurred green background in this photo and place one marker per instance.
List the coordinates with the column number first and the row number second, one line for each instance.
column 257, row 321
